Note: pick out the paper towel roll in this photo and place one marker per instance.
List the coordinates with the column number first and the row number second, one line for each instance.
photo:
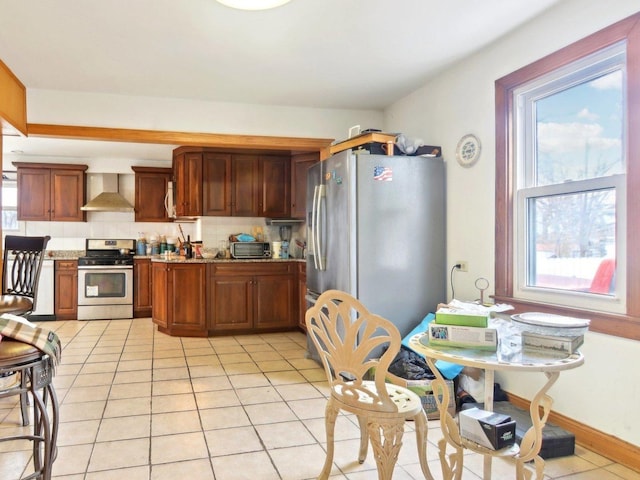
column 276, row 249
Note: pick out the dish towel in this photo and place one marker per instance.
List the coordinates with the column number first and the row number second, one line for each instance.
column 20, row 329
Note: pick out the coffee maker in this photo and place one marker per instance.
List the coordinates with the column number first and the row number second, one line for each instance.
column 285, row 238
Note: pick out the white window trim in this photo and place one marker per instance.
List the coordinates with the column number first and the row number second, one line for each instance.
column 605, row 61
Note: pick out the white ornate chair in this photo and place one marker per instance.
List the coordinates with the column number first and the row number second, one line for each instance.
column 348, row 337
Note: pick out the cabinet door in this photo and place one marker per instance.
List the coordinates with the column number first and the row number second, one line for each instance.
column 231, row 302
column 274, row 297
column 67, row 195
column 151, row 191
column 246, row 193
column 187, row 169
column 142, row 287
column 66, row 289
column 34, row 194
column 302, row 292
column 299, row 166
column 186, row 285
column 160, row 294
column 216, row 184
column 275, row 184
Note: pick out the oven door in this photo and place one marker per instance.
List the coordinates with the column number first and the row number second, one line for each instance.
column 105, row 292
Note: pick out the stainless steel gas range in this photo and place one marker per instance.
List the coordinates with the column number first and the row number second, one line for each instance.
column 105, row 280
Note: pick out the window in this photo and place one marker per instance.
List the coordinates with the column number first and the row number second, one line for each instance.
column 566, row 182
column 9, row 202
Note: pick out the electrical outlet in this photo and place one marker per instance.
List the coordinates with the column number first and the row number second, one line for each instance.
column 464, row 267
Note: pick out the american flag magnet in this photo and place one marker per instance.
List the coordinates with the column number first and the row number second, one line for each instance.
column 383, row 174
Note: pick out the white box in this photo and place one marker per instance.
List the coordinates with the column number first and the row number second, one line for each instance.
column 460, row 336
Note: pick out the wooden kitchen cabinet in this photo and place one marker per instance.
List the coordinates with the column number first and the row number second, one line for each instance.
column 216, row 183
column 302, row 294
column 151, row 185
column 275, row 186
column 299, row 166
column 251, row 297
column 245, row 193
column 51, row 192
column 178, row 298
column 261, row 186
column 187, row 172
column 66, row 289
column 142, row 287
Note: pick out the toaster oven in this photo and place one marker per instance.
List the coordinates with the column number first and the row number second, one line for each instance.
column 250, row 249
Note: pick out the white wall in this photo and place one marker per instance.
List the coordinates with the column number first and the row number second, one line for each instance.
column 603, row 393
column 102, row 110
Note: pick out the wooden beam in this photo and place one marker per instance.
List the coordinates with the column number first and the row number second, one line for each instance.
column 13, row 103
column 177, row 138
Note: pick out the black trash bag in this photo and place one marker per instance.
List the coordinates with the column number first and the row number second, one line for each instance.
column 410, row 366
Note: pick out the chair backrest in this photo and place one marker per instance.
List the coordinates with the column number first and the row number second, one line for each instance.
column 349, row 340
column 22, row 264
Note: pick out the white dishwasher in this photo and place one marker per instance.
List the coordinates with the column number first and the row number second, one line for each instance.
column 45, row 301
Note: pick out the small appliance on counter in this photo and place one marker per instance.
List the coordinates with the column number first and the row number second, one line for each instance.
column 285, row 238
column 248, row 250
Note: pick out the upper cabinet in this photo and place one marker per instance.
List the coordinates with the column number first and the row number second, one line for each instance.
column 275, row 186
column 231, row 184
column 299, row 166
column 187, row 172
column 216, row 184
column 51, row 192
column 151, row 191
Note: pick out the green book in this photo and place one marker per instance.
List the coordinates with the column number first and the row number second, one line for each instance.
column 455, row 316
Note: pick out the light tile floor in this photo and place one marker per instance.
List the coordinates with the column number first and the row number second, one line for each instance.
column 136, row 404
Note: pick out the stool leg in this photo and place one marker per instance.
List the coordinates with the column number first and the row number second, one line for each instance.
column 24, row 398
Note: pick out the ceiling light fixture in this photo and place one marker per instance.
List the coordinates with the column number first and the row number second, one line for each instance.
column 253, row 4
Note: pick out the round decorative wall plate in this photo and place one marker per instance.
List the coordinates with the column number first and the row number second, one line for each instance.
column 468, row 150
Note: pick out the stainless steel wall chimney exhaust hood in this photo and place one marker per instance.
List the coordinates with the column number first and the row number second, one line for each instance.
column 108, row 199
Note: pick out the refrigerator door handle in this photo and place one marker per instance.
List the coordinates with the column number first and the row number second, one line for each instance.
column 314, row 248
column 318, row 227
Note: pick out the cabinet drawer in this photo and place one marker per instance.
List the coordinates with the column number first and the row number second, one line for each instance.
column 66, row 264
column 252, row 268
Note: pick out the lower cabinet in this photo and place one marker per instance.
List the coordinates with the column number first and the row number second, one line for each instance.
column 250, row 297
column 142, row 287
column 302, row 293
column 178, row 298
column 66, row 289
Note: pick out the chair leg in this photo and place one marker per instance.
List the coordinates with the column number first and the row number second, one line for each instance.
column 364, row 439
column 331, row 413
column 386, row 440
column 421, row 426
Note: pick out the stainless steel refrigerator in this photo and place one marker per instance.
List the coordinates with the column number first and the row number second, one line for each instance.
column 376, row 229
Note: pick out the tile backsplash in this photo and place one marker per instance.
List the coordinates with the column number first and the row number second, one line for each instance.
column 211, row 230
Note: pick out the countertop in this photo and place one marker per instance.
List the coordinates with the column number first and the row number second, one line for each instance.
column 178, row 259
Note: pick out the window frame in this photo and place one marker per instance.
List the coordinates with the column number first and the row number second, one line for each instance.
column 626, row 324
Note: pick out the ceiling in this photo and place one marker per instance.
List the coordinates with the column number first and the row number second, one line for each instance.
column 344, row 54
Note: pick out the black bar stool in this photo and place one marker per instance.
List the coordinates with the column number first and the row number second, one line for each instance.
column 33, row 371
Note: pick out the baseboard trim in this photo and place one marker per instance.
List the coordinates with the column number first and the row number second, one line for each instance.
column 601, row 443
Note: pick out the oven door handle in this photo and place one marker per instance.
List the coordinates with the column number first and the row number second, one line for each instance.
column 105, row 267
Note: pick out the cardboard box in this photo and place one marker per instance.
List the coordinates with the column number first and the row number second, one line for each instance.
column 465, row 337
column 456, row 316
column 552, row 343
column 490, row 429
column 424, row 390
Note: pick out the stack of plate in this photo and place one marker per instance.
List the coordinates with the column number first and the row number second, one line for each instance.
column 550, row 324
